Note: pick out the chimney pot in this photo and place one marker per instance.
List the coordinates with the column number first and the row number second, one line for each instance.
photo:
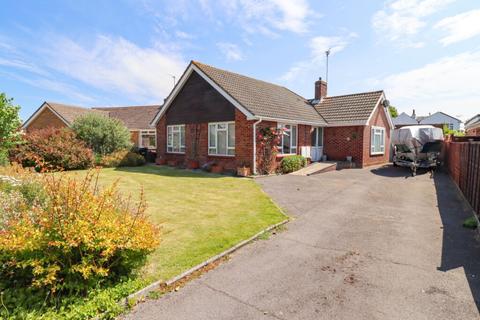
column 320, row 89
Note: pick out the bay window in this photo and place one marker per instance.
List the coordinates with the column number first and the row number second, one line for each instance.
column 176, row 138
column 288, row 140
column 377, row 140
column 221, row 138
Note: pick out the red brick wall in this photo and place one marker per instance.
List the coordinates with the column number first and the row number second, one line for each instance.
column 46, row 119
column 243, row 143
column 340, row 142
column 379, row 119
column 473, row 132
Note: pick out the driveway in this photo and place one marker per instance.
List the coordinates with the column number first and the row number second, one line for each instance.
column 363, row 244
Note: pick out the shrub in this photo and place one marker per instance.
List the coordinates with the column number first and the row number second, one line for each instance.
column 52, row 150
column 293, row 163
column 123, row 158
column 77, row 238
column 102, row 134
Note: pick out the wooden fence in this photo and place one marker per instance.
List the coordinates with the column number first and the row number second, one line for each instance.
column 463, row 162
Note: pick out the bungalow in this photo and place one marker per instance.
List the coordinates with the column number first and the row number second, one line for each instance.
column 213, row 115
column 472, row 126
column 136, row 119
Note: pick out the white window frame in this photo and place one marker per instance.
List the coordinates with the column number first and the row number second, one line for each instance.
column 282, row 126
column 176, row 128
column 149, row 132
column 228, row 147
column 373, row 132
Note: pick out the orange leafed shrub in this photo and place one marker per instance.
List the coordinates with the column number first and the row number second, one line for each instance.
column 78, row 237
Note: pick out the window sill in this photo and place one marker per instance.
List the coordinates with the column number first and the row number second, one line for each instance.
column 180, row 153
column 221, row 155
column 280, row 155
column 377, row 153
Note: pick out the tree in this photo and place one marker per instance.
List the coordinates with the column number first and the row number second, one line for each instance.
column 10, row 124
column 393, row 111
column 102, row 134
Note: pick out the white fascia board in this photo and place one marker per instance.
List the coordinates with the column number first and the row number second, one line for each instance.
column 387, row 113
column 348, row 124
column 182, row 82
column 289, row 121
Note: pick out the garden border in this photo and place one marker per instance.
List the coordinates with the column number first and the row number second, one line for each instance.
column 142, row 293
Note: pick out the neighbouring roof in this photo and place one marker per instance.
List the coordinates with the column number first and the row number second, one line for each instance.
column 68, row 112
column 261, row 98
column 404, row 119
column 424, row 118
column 134, row 117
column 350, row 108
column 473, row 121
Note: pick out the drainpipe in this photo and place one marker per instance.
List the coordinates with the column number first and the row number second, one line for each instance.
column 255, row 146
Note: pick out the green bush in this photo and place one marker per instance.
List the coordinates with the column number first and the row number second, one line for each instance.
column 122, row 158
column 102, row 134
column 61, row 237
column 293, row 163
column 53, row 150
column 4, row 158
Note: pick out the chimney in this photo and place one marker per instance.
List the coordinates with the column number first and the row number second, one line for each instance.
column 320, row 89
column 414, row 115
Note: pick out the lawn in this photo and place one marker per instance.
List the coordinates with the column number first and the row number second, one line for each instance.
column 200, row 214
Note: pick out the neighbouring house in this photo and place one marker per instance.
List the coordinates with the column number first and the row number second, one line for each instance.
column 136, row 118
column 403, row 120
column 472, row 126
column 213, row 115
column 439, row 119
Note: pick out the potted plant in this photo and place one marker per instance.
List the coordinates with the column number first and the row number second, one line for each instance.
column 216, row 168
column 244, row 170
column 193, row 163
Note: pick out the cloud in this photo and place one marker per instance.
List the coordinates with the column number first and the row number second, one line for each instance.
column 231, row 51
column 268, row 16
column 448, row 84
column 318, row 46
column 114, row 64
column 460, row 27
column 402, row 19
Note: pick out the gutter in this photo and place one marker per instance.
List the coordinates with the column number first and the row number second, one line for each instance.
column 254, row 171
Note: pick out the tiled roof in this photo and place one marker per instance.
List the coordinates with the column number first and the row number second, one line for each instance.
column 404, row 119
column 261, row 98
column 351, row 108
column 69, row 113
column 134, row 117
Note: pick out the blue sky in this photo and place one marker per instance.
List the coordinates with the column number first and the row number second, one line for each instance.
column 425, row 54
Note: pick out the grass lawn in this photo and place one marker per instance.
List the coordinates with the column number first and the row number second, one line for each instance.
column 200, row 214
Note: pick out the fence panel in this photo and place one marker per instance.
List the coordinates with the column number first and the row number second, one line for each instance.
column 463, row 163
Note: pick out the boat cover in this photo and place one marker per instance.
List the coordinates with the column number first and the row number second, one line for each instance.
column 414, row 137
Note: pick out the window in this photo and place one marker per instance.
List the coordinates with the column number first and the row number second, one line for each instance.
column 221, row 138
column 450, row 126
column 148, row 139
column 317, row 137
column 288, row 141
column 378, row 140
column 176, row 138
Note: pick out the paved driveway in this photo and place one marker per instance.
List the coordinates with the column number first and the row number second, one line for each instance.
column 364, row 244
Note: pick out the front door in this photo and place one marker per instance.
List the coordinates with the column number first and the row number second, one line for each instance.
column 317, row 144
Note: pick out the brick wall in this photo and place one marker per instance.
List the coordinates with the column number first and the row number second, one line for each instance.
column 134, row 136
column 199, row 132
column 379, row 119
column 473, row 132
column 340, row 142
column 46, row 119
column 243, row 144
